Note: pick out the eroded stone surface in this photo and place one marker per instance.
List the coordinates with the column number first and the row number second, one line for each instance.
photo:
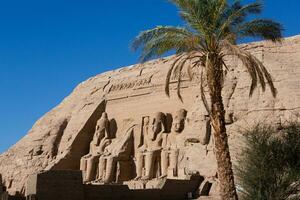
column 131, row 96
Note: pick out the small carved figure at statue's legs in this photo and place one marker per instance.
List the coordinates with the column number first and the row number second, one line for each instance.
column 164, row 163
column 110, row 169
column 174, row 162
column 91, row 168
column 139, row 166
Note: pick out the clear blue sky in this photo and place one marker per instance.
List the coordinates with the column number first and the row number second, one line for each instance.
column 47, row 47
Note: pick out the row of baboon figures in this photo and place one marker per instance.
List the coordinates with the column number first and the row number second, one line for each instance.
column 156, row 154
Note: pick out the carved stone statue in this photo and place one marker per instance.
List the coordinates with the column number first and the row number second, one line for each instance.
column 118, row 153
column 101, row 139
column 205, row 130
column 139, row 155
column 170, row 151
column 149, row 153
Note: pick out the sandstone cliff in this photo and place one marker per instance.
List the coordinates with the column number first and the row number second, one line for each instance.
column 60, row 138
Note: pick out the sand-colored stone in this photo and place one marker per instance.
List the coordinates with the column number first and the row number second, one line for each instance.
column 131, row 95
column 67, row 185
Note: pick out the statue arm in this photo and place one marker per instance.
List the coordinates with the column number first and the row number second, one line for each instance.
column 159, row 137
column 124, row 144
column 143, row 148
column 157, row 143
column 165, row 142
column 104, row 143
column 90, row 152
column 107, row 150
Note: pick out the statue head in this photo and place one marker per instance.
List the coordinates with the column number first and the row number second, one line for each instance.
column 158, row 124
column 101, row 129
column 178, row 122
column 104, row 115
column 146, row 121
column 102, row 122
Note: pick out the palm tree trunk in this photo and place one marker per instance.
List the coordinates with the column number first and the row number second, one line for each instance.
column 225, row 173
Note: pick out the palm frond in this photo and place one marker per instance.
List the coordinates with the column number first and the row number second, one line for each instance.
column 181, row 65
column 256, row 68
column 148, row 35
column 236, row 14
column 176, row 68
column 262, row 28
column 158, row 41
column 194, row 64
column 201, row 15
column 169, row 74
column 267, row 76
column 211, row 23
column 191, row 11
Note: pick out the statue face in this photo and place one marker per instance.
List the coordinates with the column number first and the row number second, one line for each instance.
column 104, row 115
column 178, row 125
column 156, row 128
column 146, row 121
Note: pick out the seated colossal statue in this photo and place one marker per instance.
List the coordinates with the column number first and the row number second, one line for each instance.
column 170, row 151
column 148, row 155
column 102, row 138
column 120, row 151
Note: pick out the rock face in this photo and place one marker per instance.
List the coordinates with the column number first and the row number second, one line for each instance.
column 147, row 135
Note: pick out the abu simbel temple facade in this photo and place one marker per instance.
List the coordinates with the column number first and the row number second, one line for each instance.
column 118, row 136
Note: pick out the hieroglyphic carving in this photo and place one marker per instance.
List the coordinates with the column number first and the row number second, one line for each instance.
column 184, row 76
column 129, row 84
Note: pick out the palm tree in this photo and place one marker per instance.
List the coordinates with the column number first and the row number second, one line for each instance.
column 213, row 29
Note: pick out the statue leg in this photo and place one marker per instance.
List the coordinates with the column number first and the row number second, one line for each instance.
column 164, row 163
column 149, row 165
column 139, row 166
column 110, row 169
column 91, row 169
column 101, row 168
column 83, row 164
column 174, row 162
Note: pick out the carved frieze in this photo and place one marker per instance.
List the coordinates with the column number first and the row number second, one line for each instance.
column 131, row 83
